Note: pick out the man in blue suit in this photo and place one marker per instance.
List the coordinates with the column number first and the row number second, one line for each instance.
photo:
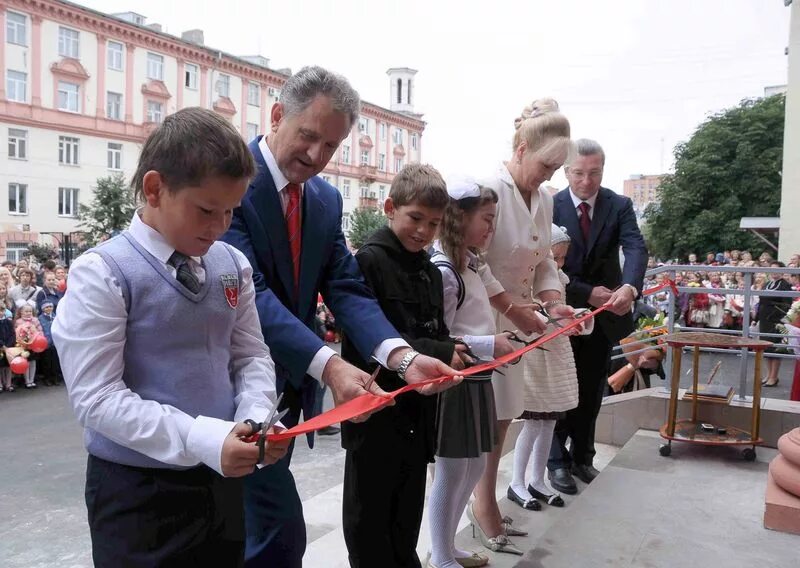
column 289, row 227
column 598, row 222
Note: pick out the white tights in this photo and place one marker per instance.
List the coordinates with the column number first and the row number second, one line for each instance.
column 532, row 449
column 453, row 482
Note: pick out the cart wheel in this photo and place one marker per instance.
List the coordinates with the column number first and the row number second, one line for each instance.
column 749, row 454
column 665, row 450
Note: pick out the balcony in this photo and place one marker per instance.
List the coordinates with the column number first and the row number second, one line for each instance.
column 367, row 173
column 370, row 202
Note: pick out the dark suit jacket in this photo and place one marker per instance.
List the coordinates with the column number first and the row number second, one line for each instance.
column 258, row 229
column 596, row 263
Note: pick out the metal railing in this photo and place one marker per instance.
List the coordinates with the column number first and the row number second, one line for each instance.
column 746, row 292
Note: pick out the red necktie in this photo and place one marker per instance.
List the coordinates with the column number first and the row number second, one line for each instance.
column 585, row 220
column 293, row 229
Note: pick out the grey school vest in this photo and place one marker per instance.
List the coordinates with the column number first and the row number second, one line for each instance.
column 178, row 344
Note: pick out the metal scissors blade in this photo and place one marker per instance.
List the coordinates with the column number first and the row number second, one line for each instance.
column 272, row 418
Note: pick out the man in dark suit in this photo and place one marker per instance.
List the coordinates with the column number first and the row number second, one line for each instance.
column 289, row 226
column 599, row 222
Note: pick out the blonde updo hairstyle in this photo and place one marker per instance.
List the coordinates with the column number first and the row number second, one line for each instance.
column 544, row 130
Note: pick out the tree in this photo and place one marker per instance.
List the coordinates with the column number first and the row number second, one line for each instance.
column 110, row 211
column 730, row 168
column 42, row 253
column 363, row 222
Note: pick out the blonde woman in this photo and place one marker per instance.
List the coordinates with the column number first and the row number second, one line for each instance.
column 519, row 271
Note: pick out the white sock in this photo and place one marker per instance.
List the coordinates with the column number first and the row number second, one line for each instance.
column 522, row 453
column 448, row 483
column 539, row 455
column 475, row 467
column 30, row 374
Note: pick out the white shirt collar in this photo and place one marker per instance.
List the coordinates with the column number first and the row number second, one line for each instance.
column 577, row 200
column 272, row 165
column 152, row 241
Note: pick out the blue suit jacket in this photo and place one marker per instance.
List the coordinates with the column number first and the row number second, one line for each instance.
column 258, row 229
column 596, row 263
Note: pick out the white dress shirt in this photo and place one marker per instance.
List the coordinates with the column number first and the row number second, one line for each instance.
column 576, row 201
column 321, row 358
column 89, row 333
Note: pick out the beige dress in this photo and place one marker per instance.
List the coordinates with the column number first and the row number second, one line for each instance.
column 518, row 261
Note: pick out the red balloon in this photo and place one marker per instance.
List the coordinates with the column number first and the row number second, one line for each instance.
column 39, row 343
column 62, row 286
column 19, row 365
column 330, row 337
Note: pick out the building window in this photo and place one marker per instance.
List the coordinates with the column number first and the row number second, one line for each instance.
column 363, row 125
column 114, row 55
column 155, row 112
column 399, row 91
column 345, row 222
column 68, row 150
column 346, row 188
column 114, row 105
column 16, row 251
column 382, row 162
column 16, row 86
column 68, row 43
column 114, row 156
column 252, row 131
column 345, row 154
column 414, row 141
column 190, row 79
column 398, row 136
column 398, row 164
column 364, row 157
column 17, row 144
column 224, row 85
column 382, row 193
column 17, row 199
column 68, row 96
column 383, row 130
column 364, row 189
column 155, row 67
column 253, row 94
column 16, row 28
column 67, row 202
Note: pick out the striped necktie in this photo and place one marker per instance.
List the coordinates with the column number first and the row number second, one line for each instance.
column 293, row 230
column 184, row 273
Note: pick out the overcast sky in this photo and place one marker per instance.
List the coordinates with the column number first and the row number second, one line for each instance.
column 636, row 75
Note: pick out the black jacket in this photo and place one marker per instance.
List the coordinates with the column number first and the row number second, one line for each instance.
column 409, row 291
column 771, row 309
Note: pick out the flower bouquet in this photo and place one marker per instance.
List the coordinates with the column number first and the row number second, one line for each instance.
column 651, row 332
column 26, row 333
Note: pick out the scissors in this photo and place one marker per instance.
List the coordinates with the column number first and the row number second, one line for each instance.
column 259, row 435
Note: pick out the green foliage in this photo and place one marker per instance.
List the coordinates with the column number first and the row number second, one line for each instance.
column 110, row 211
column 42, row 253
column 363, row 222
column 730, row 168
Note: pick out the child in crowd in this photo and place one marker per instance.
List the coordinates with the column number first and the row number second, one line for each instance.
column 50, row 369
column 466, row 418
column 551, row 389
column 387, row 456
column 27, row 327
column 49, row 293
column 8, row 338
column 164, row 359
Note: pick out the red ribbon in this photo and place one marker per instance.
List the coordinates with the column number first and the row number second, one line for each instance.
column 369, row 402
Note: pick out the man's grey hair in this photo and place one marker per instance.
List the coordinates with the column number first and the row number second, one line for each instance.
column 302, row 87
column 587, row 147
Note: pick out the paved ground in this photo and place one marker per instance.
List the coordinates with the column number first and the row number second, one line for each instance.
column 43, row 520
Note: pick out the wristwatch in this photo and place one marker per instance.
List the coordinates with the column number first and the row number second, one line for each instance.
column 632, row 287
column 405, row 363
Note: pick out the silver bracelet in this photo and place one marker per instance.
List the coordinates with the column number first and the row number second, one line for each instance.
column 549, row 304
column 405, row 363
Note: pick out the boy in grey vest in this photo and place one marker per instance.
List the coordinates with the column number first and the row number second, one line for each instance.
column 164, row 360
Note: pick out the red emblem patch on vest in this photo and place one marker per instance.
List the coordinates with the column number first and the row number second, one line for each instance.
column 230, row 284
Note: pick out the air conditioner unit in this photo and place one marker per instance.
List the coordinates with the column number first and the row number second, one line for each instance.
column 273, row 92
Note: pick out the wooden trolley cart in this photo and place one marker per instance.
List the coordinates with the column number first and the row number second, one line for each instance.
column 692, row 431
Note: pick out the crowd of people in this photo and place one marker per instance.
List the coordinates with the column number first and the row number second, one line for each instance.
column 29, row 296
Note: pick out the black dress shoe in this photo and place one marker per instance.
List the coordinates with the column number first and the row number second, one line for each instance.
column 329, row 431
column 562, row 480
column 585, row 473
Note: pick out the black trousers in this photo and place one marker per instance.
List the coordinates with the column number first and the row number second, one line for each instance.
column 592, row 354
column 142, row 517
column 49, row 365
column 384, row 495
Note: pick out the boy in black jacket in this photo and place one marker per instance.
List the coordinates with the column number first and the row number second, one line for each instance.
column 387, row 456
